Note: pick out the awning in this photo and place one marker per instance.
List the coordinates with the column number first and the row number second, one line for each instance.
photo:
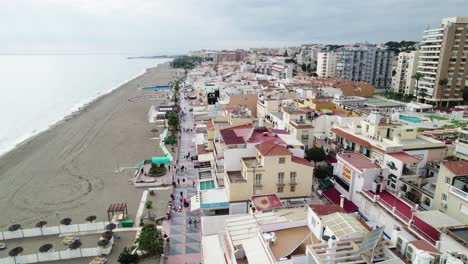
column 325, row 184
column 194, row 203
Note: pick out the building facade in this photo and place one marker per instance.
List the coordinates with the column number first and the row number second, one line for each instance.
column 326, row 64
column 365, row 62
column 442, row 62
column 403, row 81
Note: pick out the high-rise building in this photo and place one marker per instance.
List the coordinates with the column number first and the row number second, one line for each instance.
column 365, row 62
column 326, row 64
column 442, row 61
column 403, row 81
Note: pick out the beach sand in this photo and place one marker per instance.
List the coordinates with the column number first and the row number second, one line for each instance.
column 70, row 169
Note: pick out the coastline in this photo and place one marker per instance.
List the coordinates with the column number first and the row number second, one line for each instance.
column 72, row 112
column 62, row 170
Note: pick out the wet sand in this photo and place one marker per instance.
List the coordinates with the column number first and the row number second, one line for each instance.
column 70, row 169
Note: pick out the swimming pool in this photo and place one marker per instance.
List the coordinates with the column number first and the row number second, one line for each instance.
column 411, row 119
column 207, row 185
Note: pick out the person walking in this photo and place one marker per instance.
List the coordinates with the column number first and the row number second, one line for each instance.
column 193, row 184
column 178, row 181
column 195, row 222
column 181, row 193
column 183, row 181
column 172, row 197
column 190, row 221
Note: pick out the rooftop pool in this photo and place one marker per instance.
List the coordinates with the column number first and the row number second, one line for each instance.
column 411, row 119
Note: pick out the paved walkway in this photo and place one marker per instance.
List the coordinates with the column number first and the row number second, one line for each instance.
column 185, row 239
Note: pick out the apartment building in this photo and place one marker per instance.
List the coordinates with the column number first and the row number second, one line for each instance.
column 461, row 144
column 451, row 195
column 407, row 65
column 273, row 169
column 443, row 56
column 365, row 62
column 326, row 64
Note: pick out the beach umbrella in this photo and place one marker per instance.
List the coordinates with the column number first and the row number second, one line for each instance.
column 111, row 226
column 66, row 221
column 15, row 252
column 41, row 224
column 107, row 234
column 45, row 248
column 90, row 218
column 103, row 243
column 14, row 227
column 75, row 244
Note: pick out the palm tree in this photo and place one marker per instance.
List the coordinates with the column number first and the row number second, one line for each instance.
column 417, row 76
column 423, row 93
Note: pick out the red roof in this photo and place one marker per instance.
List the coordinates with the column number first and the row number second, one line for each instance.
column 333, row 195
column 266, row 202
column 458, row 168
column 301, row 161
column 326, row 209
column 209, row 124
column 270, row 148
column 358, row 161
column 405, row 157
column 426, row 246
column 237, row 134
column 351, row 137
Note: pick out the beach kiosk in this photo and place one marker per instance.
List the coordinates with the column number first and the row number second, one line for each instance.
column 120, row 208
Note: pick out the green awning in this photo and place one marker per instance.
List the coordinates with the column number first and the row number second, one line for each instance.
column 325, row 184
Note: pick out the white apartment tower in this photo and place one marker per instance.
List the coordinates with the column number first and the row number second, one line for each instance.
column 326, row 64
column 365, row 62
column 443, row 56
column 403, row 81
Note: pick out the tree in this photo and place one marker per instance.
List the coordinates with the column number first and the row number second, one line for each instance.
column 321, row 172
column 148, row 204
column 173, row 120
column 417, row 76
column 150, row 240
column 315, row 154
column 126, row 257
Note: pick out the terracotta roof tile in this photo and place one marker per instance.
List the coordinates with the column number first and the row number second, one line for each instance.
column 326, row 209
column 458, row 168
column 351, row 137
column 270, row 148
column 405, row 157
column 301, row 161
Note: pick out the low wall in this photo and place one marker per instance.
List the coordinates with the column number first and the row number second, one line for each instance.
column 57, row 255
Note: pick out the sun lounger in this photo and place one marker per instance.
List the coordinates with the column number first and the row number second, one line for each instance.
column 98, row 260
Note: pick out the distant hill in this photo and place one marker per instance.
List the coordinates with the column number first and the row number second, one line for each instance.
column 403, row 45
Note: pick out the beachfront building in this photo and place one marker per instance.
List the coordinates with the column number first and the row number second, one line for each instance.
column 326, row 64
column 442, row 61
column 403, row 81
column 272, row 169
column 451, row 195
column 365, row 62
column 461, row 144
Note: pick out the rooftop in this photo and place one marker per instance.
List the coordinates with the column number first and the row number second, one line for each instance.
column 357, row 160
column 342, row 224
column 326, row 209
column 301, row 161
column 458, row 168
column 266, row 202
column 437, row 219
column 235, row 177
column 424, row 245
column 405, row 157
column 288, row 240
column 271, row 148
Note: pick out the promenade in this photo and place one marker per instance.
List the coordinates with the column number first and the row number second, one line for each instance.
column 184, row 239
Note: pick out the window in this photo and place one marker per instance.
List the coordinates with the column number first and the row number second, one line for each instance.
column 282, row 160
column 444, row 197
column 293, row 188
column 280, row 189
column 258, row 179
column 448, row 180
column 292, row 177
column 281, row 177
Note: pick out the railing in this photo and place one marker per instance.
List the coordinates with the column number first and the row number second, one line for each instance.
column 423, row 234
column 459, row 193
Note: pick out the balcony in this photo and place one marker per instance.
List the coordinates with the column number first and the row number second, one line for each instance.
column 457, row 192
column 398, row 208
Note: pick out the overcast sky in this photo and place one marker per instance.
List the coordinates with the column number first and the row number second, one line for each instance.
column 176, row 26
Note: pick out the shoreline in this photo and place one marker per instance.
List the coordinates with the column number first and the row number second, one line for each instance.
column 74, row 111
column 69, row 169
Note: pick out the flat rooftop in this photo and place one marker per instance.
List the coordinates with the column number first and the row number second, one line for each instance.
column 357, row 160
column 235, row 177
column 289, row 240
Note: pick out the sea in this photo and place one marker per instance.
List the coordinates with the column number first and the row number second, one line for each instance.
column 37, row 91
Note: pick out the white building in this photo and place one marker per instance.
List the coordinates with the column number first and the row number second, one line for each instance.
column 326, row 64
column 402, row 81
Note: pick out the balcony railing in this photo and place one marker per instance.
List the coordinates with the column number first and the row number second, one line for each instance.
column 422, row 234
column 459, row 193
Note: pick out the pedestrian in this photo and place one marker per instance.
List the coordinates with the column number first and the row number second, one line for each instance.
column 195, row 222
column 174, row 184
column 178, row 181
column 183, row 180
column 193, row 184
column 172, row 196
column 181, row 194
column 180, row 201
column 190, row 221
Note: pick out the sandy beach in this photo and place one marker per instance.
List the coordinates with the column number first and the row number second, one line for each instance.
column 70, row 170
